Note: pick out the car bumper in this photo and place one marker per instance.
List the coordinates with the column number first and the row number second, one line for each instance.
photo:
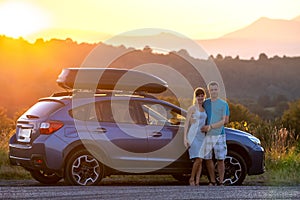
column 31, row 157
column 257, row 156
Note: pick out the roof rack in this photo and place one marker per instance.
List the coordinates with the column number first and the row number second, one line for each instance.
column 60, row 94
column 98, row 92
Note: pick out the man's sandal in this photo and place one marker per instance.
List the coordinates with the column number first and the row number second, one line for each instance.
column 212, row 183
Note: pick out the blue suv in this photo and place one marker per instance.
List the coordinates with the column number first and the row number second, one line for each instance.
column 83, row 136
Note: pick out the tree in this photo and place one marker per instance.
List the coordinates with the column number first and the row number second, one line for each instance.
column 263, row 56
column 279, row 99
column 280, row 108
column 264, row 101
column 291, row 117
column 241, row 118
column 219, row 57
column 228, row 58
column 238, row 112
column 237, row 57
column 147, row 49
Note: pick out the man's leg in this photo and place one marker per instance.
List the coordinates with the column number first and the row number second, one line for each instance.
column 211, row 170
column 207, row 152
column 221, row 170
column 220, row 154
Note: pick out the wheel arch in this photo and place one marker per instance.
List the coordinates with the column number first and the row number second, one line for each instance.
column 79, row 145
column 237, row 148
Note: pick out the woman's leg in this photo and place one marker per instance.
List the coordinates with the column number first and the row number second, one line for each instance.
column 192, row 178
column 194, row 171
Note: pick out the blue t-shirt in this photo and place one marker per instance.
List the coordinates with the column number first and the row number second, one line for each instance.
column 215, row 111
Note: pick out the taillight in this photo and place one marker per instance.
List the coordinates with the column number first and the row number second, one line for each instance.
column 50, row 127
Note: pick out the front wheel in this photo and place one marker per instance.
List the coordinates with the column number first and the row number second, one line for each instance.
column 45, row 178
column 235, row 169
column 84, row 169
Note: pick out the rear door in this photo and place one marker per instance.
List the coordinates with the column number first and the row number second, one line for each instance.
column 114, row 127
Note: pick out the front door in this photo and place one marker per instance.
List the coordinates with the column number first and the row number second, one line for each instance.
column 164, row 127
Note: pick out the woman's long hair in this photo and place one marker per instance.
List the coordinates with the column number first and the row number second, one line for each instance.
column 198, row 91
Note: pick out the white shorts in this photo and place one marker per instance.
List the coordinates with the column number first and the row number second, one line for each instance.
column 216, row 143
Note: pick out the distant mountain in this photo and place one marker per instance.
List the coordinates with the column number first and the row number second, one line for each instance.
column 162, row 42
column 270, row 36
column 267, row 29
column 297, row 18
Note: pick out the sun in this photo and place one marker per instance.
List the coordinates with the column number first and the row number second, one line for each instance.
column 18, row 19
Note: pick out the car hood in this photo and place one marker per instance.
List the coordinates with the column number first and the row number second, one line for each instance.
column 237, row 132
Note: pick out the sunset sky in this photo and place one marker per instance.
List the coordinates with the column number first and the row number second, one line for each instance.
column 91, row 20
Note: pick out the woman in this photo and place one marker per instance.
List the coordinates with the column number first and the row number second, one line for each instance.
column 193, row 137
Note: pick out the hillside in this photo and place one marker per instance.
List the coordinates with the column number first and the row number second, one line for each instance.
column 29, row 71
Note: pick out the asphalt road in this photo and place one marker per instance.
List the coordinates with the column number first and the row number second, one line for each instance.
column 29, row 189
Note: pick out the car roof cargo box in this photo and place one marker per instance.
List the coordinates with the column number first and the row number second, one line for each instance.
column 110, row 79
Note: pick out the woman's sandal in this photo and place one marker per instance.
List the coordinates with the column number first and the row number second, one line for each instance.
column 192, row 182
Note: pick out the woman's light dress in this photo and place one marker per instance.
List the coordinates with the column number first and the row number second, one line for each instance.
column 195, row 136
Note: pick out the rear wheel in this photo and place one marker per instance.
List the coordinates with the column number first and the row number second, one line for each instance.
column 83, row 168
column 235, row 169
column 45, row 178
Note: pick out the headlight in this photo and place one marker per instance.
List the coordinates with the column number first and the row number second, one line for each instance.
column 255, row 140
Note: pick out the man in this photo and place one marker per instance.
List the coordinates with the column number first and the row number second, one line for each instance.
column 215, row 141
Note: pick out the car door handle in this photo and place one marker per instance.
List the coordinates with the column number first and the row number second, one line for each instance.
column 156, row 134
column 100, row 130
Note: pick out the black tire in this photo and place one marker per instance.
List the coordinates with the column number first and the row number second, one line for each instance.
column 82, row 168
column 235, row 169
column 45, row 178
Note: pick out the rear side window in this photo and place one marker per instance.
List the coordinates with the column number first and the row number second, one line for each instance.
column 43, row 108
column 117, row 111
column 84, row 113
column 106, row 111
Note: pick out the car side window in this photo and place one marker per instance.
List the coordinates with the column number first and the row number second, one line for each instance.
column 159, row 114
column 116, row 111
column 84, row 113
column 106, row 111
